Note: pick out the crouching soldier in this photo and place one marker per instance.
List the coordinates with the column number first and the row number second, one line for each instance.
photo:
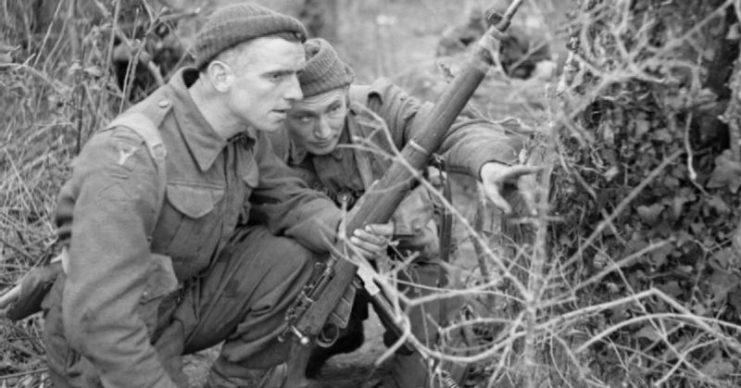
column 161, row 261
column 340, row 138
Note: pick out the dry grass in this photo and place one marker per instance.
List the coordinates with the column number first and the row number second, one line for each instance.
column 56, row 92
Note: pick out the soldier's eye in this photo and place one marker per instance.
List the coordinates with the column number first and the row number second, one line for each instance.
column 304, row 118
column 335, row 108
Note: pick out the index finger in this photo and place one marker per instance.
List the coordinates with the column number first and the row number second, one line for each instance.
column 386, row 229
column 515, row 172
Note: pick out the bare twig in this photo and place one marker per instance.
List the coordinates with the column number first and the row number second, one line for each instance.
column 622, row 206
column 25, row 373
column 482, row 212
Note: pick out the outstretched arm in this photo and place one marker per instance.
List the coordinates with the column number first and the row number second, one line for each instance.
column 498, row 177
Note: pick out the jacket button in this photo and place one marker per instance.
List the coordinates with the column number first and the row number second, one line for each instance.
column 164, row 103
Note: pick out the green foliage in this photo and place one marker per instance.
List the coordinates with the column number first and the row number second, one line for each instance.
column 644, row 89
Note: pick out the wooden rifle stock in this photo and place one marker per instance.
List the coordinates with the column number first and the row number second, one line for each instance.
column 308, row 315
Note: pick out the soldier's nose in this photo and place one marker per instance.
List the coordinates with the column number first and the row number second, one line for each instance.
column 293, row 93
column 322, row 130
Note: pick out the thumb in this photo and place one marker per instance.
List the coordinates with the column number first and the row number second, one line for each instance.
column 492, row 192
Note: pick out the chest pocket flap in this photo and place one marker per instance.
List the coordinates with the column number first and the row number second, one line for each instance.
column 193, row 201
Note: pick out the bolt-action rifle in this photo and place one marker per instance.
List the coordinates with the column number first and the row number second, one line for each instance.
column 315, row 306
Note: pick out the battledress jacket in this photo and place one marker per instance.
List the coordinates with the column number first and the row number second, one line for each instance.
column 112, row 198
column 382, row 118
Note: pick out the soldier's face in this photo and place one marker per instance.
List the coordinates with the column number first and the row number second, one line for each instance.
column 315, row 123
column 264, row 84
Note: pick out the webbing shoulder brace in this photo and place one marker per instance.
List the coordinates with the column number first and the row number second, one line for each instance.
column 358, row 96
column 145, row 128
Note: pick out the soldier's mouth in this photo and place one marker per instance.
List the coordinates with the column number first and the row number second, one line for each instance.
column 324, row 144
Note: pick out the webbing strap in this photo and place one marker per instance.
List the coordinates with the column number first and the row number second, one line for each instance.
column 145, row 128
column 358, row 94
column 361, row 156
column 446, row 223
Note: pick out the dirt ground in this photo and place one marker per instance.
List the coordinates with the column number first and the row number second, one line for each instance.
column 352, row 370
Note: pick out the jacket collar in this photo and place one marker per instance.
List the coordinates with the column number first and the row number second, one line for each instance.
column 202, row 140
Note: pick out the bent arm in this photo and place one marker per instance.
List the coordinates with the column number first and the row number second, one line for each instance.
column 115, row 201
column 468, row 144
column 289, row 206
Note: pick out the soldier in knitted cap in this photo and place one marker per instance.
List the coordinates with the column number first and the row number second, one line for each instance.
column 161, row 257
column 340, row 138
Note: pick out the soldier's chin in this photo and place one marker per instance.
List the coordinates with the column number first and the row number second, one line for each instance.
column 321, row 150
column 270, row 127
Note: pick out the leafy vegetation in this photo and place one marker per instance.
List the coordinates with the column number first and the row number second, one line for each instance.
column 639, row 285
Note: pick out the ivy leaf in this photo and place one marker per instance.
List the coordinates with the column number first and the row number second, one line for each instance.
column 677, row 205
column 721, row 283
column 648, row 332
column 642, row 126
column 719, row 205
column 663, row 135
column 659, row 257
column 727, row 173
column 718, row 367
column 650, row 214
column 733, row 33
column 671, row 288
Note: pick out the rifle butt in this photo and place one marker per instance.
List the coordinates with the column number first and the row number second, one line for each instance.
column 9, row 298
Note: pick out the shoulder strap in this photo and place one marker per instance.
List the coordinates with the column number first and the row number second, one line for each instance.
column 145, row 128
column 358, row 95
column 361, row 156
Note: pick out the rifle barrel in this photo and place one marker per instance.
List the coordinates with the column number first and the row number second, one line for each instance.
column 381, row 199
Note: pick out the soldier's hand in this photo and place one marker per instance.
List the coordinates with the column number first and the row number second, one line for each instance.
column 373, row 240
column 498, row 177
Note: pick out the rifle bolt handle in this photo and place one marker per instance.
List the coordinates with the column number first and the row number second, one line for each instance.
column 302, row 339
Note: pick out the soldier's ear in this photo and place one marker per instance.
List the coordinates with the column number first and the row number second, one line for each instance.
column 220, row 75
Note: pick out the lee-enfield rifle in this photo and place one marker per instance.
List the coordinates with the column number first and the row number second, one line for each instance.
column 319, row 299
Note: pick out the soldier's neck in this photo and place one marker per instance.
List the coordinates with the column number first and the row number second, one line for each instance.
column 215, row 110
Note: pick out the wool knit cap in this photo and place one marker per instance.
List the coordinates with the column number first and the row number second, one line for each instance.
column 324, row 70
column 236, row 23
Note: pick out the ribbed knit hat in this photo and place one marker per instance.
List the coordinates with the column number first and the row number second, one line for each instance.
column 233, row 24
column 324, row 69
